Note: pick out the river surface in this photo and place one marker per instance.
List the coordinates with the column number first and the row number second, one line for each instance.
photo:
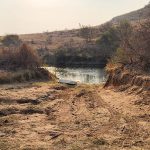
column 81, row 75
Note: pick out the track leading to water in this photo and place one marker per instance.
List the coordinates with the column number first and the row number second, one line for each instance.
column 54, row 116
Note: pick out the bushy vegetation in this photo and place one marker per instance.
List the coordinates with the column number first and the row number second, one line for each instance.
column 86, row 32
column 28, row 58
column 127, row 44
column 19, row 63
column 109, row 40
column 123, row 43
column 24, row 75
column 11, row 40
column 23, row 57
column 134, row 48
column 82, row 56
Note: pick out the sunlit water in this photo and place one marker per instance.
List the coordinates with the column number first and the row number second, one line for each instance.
column 81, row 75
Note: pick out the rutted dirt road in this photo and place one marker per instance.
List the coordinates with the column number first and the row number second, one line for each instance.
column 86, row 117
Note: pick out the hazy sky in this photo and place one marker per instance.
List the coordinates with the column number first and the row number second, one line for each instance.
column 31, row 16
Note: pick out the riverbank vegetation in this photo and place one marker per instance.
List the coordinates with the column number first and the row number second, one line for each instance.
column 134, row 48
column 123, row 43
column 92, row 48
column 19, row 62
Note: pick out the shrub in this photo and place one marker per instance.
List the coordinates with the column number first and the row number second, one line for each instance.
column 9, row 40
column 28, row 58
column 137, row 45
column 23, row 57
column 120, row 57
column 134, row 48
column 109, row 40
column 25, row 75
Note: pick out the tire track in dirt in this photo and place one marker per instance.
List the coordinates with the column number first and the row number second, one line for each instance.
column 72, row 115
column 131, row 131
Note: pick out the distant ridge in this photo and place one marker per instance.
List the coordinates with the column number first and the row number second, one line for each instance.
column 141, row 14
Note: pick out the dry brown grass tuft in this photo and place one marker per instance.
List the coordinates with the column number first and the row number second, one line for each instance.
column 25, row 75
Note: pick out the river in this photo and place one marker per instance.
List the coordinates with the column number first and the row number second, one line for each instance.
column 81, row 75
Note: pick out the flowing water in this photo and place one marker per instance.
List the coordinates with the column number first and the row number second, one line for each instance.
column 81, row 75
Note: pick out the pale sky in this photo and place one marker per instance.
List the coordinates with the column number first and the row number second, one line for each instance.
column 32, row 16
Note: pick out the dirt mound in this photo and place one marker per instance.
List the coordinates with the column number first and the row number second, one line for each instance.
column 125, row 79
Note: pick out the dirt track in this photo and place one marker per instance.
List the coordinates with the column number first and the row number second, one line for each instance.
column 56, row 117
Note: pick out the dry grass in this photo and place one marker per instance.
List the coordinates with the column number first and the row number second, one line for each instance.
column 112, row 66
column 25, row 75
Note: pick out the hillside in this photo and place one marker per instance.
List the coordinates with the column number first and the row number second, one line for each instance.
column 63, row 36
column 134, row 16
column 68, row 42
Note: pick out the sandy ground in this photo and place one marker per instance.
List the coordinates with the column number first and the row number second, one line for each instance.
column 86, row 117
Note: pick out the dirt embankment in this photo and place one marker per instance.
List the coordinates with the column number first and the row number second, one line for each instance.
column 124, row 78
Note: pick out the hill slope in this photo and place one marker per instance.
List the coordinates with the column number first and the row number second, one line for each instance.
column 134, row 16
column 53, row 40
